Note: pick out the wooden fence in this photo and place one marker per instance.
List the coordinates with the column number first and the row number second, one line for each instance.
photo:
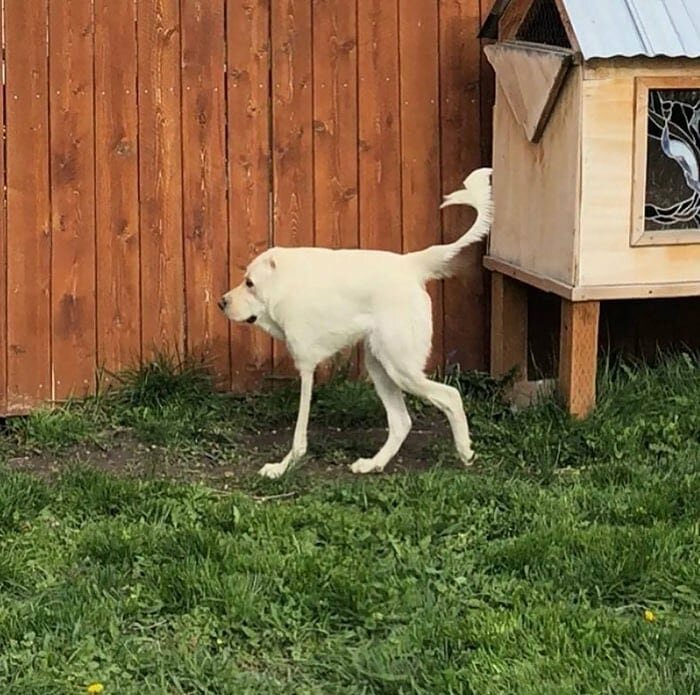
column 152, row 147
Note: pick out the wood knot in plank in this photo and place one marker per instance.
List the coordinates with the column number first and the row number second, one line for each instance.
column 123, row 148
column 69, row 314
column 65, row 166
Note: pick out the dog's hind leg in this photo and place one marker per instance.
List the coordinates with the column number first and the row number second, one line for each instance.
column 448, row 400
column 402, row 348
column 275, row 470
column 398, row 419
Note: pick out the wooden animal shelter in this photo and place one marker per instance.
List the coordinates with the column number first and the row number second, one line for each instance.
column 596, row 155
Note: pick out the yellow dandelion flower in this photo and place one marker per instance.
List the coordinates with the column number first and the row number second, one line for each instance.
column 649, row 616
column 95, row 688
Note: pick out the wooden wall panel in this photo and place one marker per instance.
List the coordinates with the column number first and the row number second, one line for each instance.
column 28, row 206
column 379, row 125
column 205, row 213
column 71, row 63
column 335, row 133
column 3, row 257
column 487, row 91
column 420, row 143
column 160, row 177
column 335, row 124
column 466, row 322
column 155, row 147
column 608, row 133
column 553, row 223
column 117, row 214
column 249, row 119
column 293, row 159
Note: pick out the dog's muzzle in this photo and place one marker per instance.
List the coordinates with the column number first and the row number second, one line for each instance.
column 251, row 319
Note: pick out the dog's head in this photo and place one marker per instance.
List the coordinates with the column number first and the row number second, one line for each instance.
column 248, row 301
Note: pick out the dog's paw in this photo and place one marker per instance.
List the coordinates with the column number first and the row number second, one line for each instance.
column 468, row 458
column 272, row 470
column 366, row 466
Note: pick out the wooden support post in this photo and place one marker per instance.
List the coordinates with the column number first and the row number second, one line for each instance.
column 508, row 326
column 578, row 354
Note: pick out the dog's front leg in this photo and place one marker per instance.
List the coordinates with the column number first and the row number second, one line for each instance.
column 275, row 470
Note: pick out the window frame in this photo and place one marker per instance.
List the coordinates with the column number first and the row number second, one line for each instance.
column 639, row 236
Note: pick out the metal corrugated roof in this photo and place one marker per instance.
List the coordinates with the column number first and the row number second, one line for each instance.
column 607, row 28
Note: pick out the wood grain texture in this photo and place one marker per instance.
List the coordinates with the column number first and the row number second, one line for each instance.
column 335, row 124
column 582, row 293
column 541, row 282
column 72, row 122
column 28, row 211
column 150, row 157
column 117, row 214
column 205, row 216
column 160, row 180
column 512, row 18
column 335, row 139
column 531, row 78
column 3, row 266
column 487, row 89
column 293, row 158
column 379, row 125
column 249, row 118
column 465, row 298
column 420, row 144
column 607, row 181
column 536, row 188
column 578, row 355
column 509, row 326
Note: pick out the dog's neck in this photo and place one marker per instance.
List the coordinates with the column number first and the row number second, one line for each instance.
column 270, row 326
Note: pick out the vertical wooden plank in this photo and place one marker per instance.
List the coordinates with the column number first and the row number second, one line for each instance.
column 249, row 117
column 3, row 249
column 160, row 181
column 460, row 127
column 335, row 123
column 379, row 125
column 335, row 132
column 487, row 87
column 578, row 355
column 204, row 180
column 420, row 143
column 74, row 337
column 116, row 180
column 509, row 306
column 28, row 209
column 292, row 133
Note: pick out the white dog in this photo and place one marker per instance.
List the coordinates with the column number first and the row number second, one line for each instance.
column 320, row 301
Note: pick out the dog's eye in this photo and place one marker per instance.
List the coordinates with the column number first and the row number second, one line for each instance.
column 248, row 282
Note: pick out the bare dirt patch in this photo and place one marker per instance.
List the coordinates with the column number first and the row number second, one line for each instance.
column 331, row 451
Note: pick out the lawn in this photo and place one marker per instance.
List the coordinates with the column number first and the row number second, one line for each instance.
column 139, row 551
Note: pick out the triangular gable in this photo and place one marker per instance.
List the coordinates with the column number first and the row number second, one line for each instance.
column 531, row 78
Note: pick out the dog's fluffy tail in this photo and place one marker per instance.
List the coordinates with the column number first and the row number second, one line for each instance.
column 443, row 261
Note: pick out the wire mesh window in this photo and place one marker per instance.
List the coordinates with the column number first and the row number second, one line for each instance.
column 543, row 24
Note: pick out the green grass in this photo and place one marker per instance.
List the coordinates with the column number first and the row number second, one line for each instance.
column 530, row 575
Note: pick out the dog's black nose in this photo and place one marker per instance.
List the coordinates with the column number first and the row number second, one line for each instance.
column 222, row 303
